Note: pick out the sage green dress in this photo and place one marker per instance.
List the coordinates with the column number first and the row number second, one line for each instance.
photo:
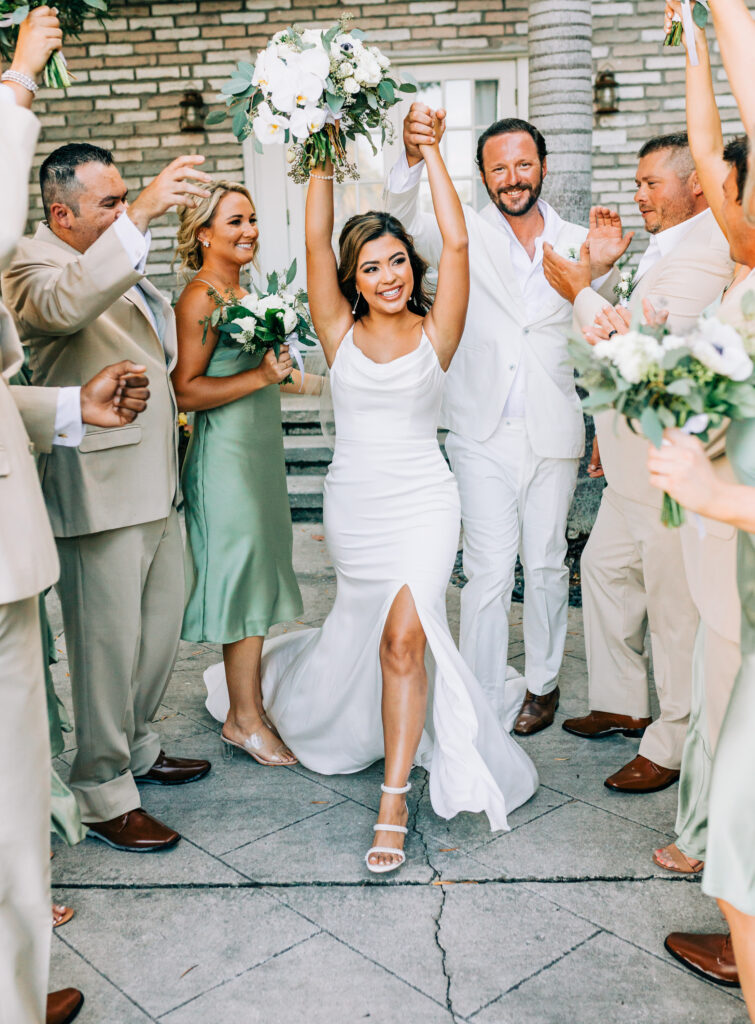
column 730, row 862
column 239, row 575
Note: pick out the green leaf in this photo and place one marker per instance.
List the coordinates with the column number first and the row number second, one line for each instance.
column 651, row 425
column 330, row 35
column 357, row 33
column 239, row 123
column 682, row 386
column 20, row 14
column 234, row 87
column 99, row 5
column 372, row 100
column 385, row 91
column 291, row 273
column 699, row 15
column 407, row 87
column 272, row 282
column 258, row 147
column 216, row 117
column 666, row 416
column 257, row 99
column 334, row 102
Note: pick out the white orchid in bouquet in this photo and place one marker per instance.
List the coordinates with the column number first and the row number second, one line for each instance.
column 657, row 379
column 314, row 90
column 264, row 319
column 71, row 13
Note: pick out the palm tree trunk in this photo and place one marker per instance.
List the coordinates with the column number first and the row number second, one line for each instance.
column 560, row 99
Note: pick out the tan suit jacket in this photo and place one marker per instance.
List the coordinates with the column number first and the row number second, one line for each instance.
column 77, row 313
column 689, row 278
column 28, row 559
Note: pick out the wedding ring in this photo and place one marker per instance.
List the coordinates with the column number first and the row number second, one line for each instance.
column 612, row 332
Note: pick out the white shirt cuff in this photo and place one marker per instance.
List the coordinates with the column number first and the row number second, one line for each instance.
column 403, row 177
column 133, row 241
column 7, row 95
column 598, row 283
column 69, row 430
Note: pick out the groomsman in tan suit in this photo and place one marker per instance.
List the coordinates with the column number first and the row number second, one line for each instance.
column 638, row 575
column 79, row 297
column 30, row 565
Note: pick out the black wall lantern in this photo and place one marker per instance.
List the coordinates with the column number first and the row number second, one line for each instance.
column 606, row 91
column 193, row 112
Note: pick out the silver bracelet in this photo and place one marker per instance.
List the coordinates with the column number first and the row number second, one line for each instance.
column 322, row 177
column 20, row 79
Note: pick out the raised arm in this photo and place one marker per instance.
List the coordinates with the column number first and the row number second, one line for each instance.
column 735, row 30
column 706, row 141
column 194, row 389
column 331, row 314
column 444, row 323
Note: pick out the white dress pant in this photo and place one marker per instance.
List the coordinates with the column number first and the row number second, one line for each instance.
column 512, row 501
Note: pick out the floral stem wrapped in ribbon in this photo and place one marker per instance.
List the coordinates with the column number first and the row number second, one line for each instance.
column 264, row 319
column 72, row 14
column 658, row 379
column 313, row 90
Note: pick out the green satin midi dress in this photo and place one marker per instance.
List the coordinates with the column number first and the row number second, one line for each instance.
column 239, row 575
column 730, row 863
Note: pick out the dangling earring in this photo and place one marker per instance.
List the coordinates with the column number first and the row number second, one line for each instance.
column 356, row 304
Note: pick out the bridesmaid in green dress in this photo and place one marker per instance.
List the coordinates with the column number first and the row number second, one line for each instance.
column 240, row 579
column 729, row 876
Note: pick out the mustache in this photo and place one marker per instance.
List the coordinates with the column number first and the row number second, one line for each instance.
column 515, row 188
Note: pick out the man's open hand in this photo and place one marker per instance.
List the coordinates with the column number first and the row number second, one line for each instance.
column 608, row 243
column 172, row 187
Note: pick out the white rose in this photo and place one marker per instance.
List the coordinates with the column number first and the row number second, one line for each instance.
column 345, row 69
column 251, row 302
column 248, row 325
column 351, row 85
column 380, row 58
column 368, row 71
column 289, row 320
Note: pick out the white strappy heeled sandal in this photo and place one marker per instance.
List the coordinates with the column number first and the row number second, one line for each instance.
column 381, row 869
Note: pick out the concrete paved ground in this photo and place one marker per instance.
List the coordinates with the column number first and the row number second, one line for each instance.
column 265, row 911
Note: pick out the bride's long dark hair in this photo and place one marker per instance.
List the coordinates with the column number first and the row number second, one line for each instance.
column 366, row 227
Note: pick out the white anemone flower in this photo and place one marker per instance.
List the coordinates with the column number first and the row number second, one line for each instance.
column 269, row 127
column 305, row 121
column 720, row 347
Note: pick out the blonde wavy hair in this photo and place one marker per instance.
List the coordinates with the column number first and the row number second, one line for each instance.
column 191, row 219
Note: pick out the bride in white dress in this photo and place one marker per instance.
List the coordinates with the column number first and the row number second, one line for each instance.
column 383, row 677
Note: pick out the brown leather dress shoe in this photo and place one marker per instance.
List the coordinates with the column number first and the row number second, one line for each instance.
column 710, row 956
column 134, row 832
column 174, row 771
column 63, row 1006
column 536, row 712
column 642, row 776
column 602, row 723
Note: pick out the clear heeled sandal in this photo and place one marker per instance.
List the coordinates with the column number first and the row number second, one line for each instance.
column 381, row 869
column 253, row 746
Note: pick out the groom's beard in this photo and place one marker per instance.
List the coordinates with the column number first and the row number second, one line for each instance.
column 520, row 206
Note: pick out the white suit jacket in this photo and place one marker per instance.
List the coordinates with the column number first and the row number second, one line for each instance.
column 499, row 335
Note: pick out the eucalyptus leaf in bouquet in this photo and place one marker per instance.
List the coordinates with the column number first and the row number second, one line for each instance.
column 313, row 90
column 72, row 15
column 657, row 379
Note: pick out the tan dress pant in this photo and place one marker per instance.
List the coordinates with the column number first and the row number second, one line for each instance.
column 633, row 580
column 122, row 593
column 25, row 927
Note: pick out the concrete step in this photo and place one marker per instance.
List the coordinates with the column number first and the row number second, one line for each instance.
column 305, row 492
column 300, row 414
column 308, row 449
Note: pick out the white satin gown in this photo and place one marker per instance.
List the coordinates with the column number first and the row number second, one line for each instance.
column 391, row 516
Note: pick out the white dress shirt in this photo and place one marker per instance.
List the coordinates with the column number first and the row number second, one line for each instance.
column 536, row 292
column 662, row 243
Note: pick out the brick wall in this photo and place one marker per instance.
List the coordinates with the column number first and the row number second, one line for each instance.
column 130, row 80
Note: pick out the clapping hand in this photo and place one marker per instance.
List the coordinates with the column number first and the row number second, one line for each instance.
column 422, row 127
column 611, row 320
column 115, row 396
column 172, row 187
column 607, row 241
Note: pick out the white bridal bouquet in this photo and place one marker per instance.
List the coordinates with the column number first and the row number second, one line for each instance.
column 264, row 319
column 313, row 90
column 658, row 380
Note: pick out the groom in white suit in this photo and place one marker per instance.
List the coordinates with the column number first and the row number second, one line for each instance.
column 515, row 422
